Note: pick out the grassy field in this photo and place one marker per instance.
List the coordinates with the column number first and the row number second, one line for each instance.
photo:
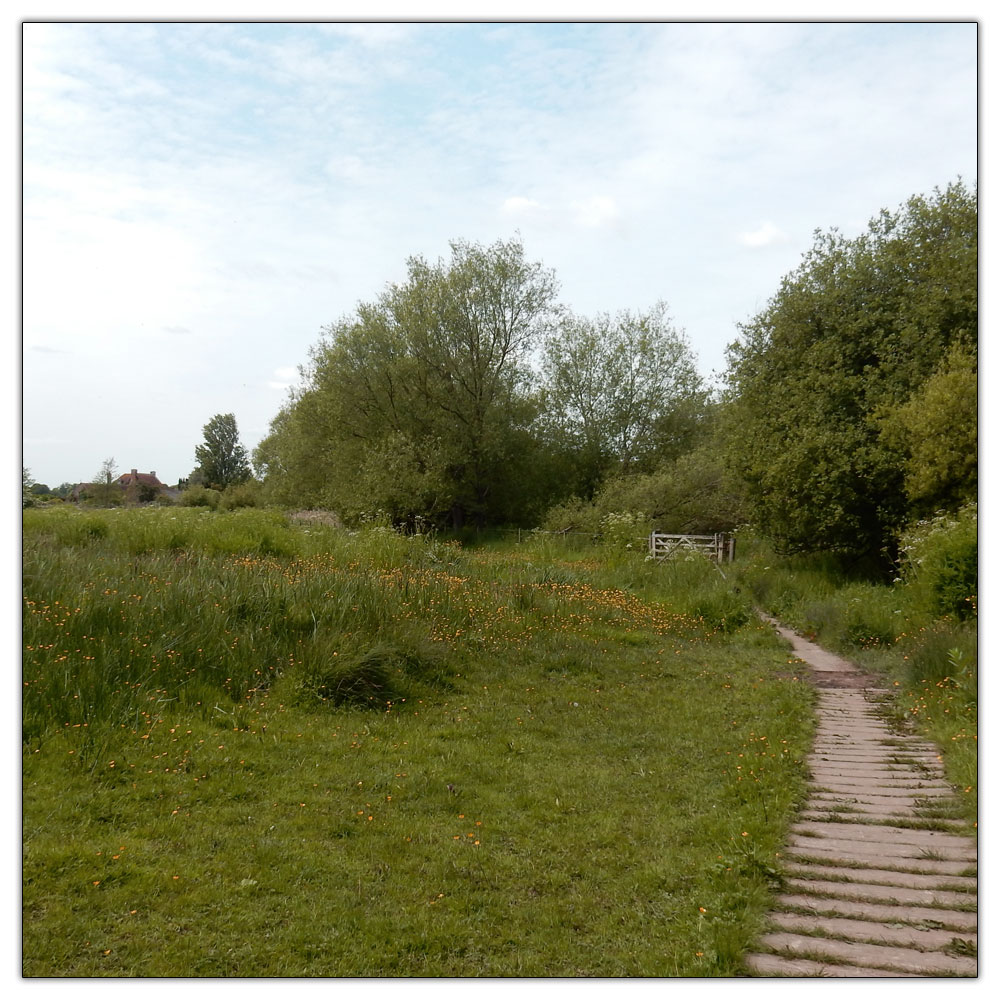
column 252, row 749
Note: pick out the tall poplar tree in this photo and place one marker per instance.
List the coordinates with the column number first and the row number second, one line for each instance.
column 222, row 460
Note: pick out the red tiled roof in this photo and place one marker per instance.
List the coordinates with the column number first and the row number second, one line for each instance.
column 145, row 478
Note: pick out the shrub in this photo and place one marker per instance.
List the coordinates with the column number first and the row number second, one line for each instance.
column 252, row 532
column 112, row 498
column 724, row 611
column 940, row 651
column 940, row 564
column 870, row 616
column 201, row 496
column 71, row 528
column 573, row 515
column 369, row 676
column 243, row 495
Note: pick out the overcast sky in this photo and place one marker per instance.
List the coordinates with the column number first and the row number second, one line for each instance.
column 200, row 200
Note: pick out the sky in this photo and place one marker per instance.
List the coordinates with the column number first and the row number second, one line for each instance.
column 199, row 200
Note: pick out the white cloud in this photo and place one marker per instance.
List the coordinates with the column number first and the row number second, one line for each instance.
column 596, row 212
column 370, row 35
column 285, row 377
column 765, row 235
column 520, row 206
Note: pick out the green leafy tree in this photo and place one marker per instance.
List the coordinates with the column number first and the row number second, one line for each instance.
column 937, row 431
column 141, row 493
column 420, row 402
column 200, row 496
column 854, row 333
column 621, row 391
column 692, row 492
column 106, row 491
column 222, row 460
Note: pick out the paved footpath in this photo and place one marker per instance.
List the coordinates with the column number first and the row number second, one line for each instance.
column 880, row 882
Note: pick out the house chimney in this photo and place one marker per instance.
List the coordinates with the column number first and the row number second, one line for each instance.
column 153, row 474
column 134, row 472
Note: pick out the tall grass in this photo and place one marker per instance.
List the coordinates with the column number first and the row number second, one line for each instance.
column 126, row 610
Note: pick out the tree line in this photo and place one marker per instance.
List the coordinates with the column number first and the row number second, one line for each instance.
column 467, row 395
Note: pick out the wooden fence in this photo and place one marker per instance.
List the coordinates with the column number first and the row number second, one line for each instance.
column 720, row 547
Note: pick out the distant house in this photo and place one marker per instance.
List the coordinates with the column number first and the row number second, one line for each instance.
column 145, row 481
column 138, row 487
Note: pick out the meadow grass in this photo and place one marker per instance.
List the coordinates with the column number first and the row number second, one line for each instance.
column 253, row 749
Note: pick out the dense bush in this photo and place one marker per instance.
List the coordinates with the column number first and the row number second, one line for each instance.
column 574, row 515
column 940, row 563
column 241, row 495
column 853, row 391
column 200, row 496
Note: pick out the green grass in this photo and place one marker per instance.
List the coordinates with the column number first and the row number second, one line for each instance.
column 258, row 750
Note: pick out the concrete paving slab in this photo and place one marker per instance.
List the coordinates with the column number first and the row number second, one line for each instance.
column 873, row 955
column 853, row 756
column 904, row 802
column 854, row 850
column 912, row 880
column 893, row 894
column 900, row 789
column 779, row 965
column 829, row 812
column 879, row 833
column 960, row 921
column 872, row 931
column 924, row 866
column 877, row 797
column 854, row 734
column 895, row 777
column 861, row 787
column 883, row 768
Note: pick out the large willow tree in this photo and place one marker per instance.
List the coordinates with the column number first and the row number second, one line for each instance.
column 853, row 407
column 419, row 404
column 622, row 393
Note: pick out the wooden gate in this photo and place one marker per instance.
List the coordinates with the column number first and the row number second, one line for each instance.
column 720, row 547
